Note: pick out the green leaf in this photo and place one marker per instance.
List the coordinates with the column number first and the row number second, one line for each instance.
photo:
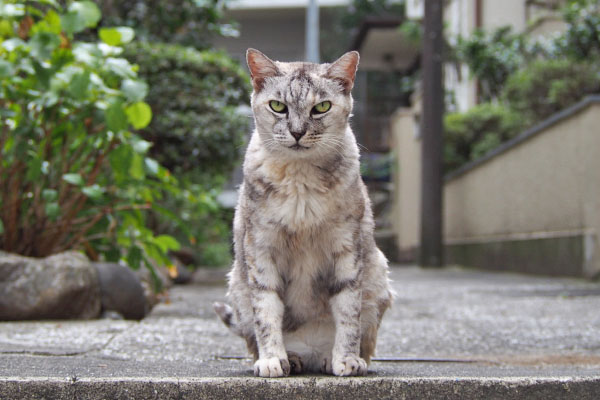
column 34, row 169
column 117, row 36
column 166, row 243
column 12, row 10
column 81, row 15
column 120, row 161
column 134, row 257
column 158, row 284
column 141, row 146
column 78, row 87
column 116, row 119
column 1, row 227
column 94, row 192
column 6, row 28
column 134, row 90
column 49, row 195
column 139, row 114
column 110, row 36
column 6, row 69
column 136, row 170
column 119, row 66
column 152, row 166
column 74, row 179
column 12, row 44
column 52, row 210
column 43, row 44
column 50, row 23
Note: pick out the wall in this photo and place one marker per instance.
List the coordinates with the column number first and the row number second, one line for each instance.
column 532, row 205
column 406, row 176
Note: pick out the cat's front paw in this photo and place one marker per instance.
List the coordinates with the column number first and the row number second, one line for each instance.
column 273, row 367
column 349, row 365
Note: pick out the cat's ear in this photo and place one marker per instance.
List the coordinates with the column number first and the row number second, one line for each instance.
column 261, row 67
column 344, row 70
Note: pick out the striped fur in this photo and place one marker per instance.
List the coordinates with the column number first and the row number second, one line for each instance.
column 308, row 287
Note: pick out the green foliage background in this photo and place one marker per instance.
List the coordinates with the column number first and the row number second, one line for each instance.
column 73, row 174
column 522, row 81
column 118, row 154
column 197, row 133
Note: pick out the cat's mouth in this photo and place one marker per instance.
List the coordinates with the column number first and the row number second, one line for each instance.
column 297, row 146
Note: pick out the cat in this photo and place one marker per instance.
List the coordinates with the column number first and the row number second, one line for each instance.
column 308, row 285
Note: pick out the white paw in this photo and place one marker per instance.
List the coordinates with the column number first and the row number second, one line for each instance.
column 273, row 367
column 350, row 365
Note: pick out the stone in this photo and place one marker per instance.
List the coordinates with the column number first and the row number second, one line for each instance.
column 122, row 291
column 152, row 297
column 62, row 286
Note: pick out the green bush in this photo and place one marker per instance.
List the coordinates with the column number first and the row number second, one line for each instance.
column 186, row 22
column 581, row 40
column 547, row 86
column 73, row 175
column 493, row 57
column 197, row 133
column 194, row 96
column 469, row 135
column 531, row 80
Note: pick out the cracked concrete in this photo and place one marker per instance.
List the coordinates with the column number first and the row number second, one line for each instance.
column 451, row 333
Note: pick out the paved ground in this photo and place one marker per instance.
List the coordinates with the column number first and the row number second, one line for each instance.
column 451, row 333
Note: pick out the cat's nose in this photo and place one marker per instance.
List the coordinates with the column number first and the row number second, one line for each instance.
column 297, row 135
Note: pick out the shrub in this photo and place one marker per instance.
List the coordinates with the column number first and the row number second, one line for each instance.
column 547, row 86
column 581, row 40
column 194, row 96
column 197, row 133
column 73, row 175
column 186, row 22
column 493, row 57
column 469, row 135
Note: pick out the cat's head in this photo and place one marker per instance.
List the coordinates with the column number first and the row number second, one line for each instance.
column 301, row 108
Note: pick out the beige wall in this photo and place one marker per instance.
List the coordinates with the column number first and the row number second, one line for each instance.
column 407, row 181
column 546, row 186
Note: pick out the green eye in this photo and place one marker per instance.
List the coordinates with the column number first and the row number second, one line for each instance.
column 277, row 106
column 322, row 107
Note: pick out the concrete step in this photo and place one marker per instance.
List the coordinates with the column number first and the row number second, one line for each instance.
column 451, row 334
column 301, row 388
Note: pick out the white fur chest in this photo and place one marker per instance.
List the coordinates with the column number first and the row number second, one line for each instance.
column 300, row 199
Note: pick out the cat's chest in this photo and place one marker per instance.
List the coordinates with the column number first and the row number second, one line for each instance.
column 300, row 199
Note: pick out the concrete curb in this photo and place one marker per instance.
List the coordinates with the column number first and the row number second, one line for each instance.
column 301, row 388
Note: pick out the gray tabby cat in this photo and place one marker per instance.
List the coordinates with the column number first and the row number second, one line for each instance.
column 308, row 286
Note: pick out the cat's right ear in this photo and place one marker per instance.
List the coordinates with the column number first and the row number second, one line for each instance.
column 261, row 67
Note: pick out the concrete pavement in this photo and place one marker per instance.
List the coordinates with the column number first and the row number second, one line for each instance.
column 452, row 333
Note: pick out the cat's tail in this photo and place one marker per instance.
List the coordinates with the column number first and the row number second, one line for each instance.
column 225, row 312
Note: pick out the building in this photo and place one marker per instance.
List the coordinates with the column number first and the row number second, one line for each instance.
column 277, row 28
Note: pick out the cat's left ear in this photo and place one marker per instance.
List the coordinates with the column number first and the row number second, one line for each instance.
column 261, row 67
column 344, row 70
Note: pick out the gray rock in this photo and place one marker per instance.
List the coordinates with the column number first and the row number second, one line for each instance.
column 122, row 291
column 152, row 297
column 62, row 286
